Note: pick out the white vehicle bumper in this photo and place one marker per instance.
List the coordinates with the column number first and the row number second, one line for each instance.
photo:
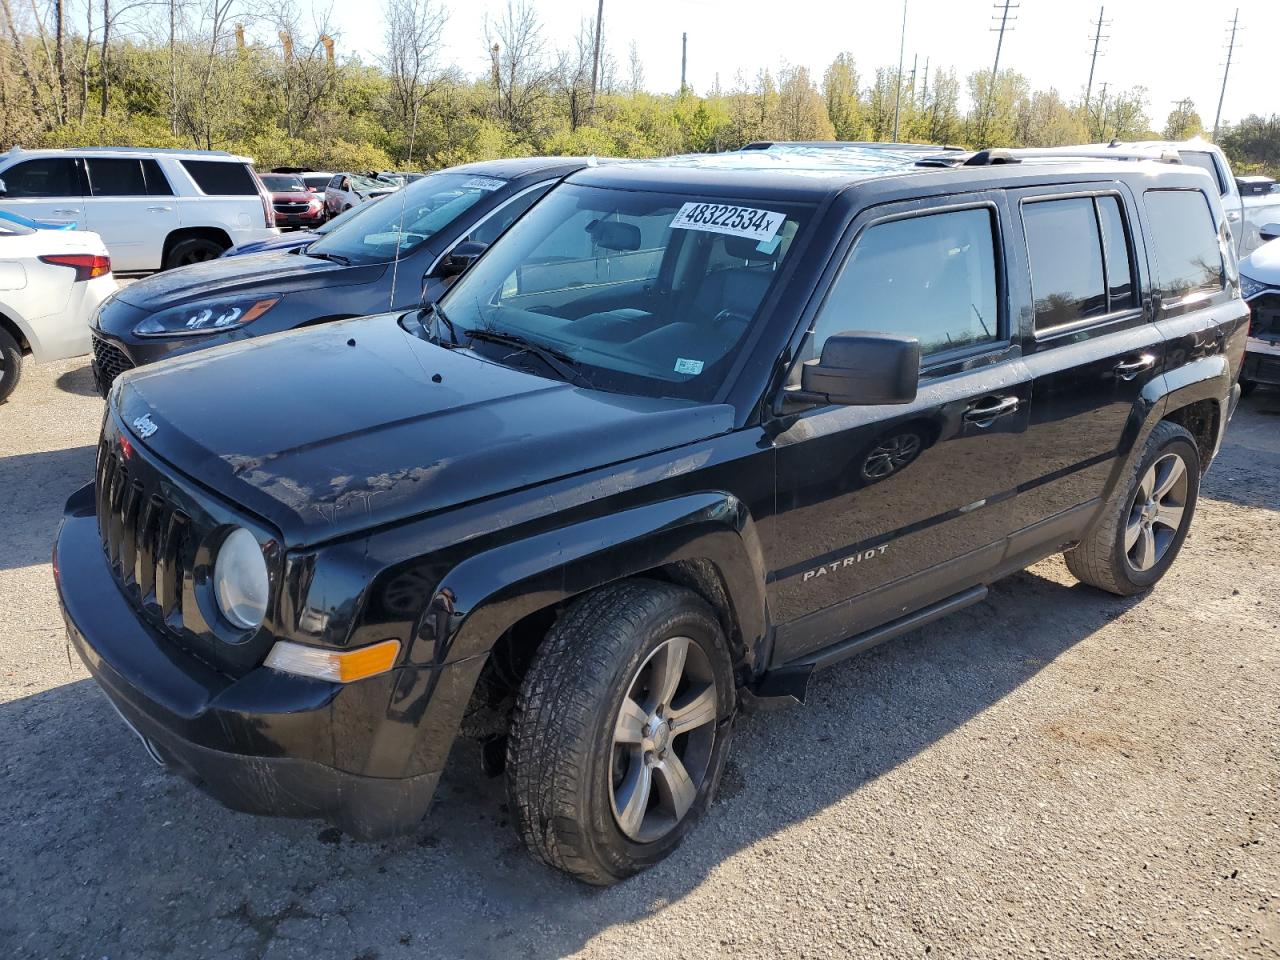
column 66, row 333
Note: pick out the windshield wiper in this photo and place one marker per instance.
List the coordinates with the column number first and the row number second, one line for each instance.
column 557, row 360
column 334, row 257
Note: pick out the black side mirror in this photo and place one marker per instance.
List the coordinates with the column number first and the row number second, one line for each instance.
column 862, row 369
column 1268, row 231
column 460, row 258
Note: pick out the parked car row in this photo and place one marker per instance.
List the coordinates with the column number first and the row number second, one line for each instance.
column 579, row 459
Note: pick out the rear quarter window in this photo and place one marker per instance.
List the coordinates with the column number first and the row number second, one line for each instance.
column 1188, row 254
column 220, row 178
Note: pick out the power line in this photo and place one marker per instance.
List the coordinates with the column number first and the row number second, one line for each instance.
column 1093, row 60
column 1231, row 49
column 1005, row 20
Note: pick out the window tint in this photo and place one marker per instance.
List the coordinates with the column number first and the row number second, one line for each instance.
column 932, row 277
column 1066, row 261
column 504, row 217
column 111, row 177
column 157, row 183
column 1205, row 162
column 219, row 178
column 1115, row 245
column 48, row 177
column 1186, row 242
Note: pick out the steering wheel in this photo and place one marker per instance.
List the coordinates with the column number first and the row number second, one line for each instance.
column 724, row 316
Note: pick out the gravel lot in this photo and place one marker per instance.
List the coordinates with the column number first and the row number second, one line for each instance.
column 1053, row 772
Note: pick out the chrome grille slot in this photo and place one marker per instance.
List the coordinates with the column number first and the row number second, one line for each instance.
column 146, row 540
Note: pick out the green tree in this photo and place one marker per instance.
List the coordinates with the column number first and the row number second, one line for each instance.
column 840, row 92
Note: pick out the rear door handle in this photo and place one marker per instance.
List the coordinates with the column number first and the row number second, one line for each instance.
column 982, row 416
column 68, row 211
column 1131, row 368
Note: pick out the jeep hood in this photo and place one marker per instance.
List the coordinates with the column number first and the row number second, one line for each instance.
column 1263, row 264
column 330, row 430
column 242, row 276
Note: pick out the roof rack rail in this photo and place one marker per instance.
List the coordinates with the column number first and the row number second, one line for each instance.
column 991, row 157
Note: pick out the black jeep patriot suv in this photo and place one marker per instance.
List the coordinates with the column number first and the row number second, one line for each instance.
column 689, row 431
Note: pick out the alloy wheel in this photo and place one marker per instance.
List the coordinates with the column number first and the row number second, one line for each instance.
column 1156, row 514
column 662, row 740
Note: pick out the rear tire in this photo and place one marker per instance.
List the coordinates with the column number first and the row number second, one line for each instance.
column 1146, row 519
column 193, row 250
column 621, row 730
column 10, row 364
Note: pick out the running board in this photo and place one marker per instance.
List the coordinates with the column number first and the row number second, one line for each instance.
column 790, row 681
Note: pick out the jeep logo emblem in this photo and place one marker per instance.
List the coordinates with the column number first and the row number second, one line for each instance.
column 144, row 426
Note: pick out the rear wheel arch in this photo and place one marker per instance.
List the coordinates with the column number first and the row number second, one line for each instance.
column 9, row 326
column 214, row 234
column 1203, row 420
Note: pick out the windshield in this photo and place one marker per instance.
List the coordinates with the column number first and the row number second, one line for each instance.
column 404, row 221
column 346, row 216
column 283, row 184
column 644, row 292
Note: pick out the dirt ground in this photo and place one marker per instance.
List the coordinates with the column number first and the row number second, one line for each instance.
column 1053, row 772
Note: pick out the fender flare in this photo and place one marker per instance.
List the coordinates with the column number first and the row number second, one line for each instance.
column 477, row 601
column 1208, row 378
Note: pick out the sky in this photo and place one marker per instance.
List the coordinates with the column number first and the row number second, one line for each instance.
column 1175, row 48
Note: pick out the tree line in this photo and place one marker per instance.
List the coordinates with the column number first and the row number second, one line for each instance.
column 267, row 81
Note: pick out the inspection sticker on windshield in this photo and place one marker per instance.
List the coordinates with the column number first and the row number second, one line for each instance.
column 484, row 183
column 725, row 218
column 688, row 366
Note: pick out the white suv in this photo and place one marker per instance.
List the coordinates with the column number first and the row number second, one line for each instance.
column 154, row 209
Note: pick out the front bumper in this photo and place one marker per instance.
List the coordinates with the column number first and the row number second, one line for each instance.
column 1261, row 362
column 365, row 756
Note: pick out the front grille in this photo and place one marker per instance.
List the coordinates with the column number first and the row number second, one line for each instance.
column 1265, row 316
column 111, row 361
column 147, row 539
column 292, row 207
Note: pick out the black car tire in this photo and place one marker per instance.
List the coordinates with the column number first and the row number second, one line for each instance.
column 194, row 250
column 1101, row 559
column 562, row 758
column 10, row 364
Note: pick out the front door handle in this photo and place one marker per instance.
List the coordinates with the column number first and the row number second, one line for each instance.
column 68, row 212
column 159, row 209
column 1131, row 368
column 984, row 415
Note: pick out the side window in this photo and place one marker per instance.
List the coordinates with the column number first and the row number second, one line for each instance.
column 112, row 177
column 222, row 178
column 932, row 277
column 336, row 183
column 47, row 177
column 1079, row 254
column 157, row 183
column 1204, row 160
column 504, row 217
column 1186, row 242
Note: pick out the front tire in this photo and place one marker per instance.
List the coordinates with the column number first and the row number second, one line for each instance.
column 10, row 364
column 621, row 730
column 1146, row 519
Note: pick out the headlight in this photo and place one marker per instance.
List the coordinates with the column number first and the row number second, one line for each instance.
column 240, row 582
column 1250, row 288
column 200, row 318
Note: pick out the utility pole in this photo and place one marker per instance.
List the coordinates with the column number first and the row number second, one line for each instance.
column 684, row 61
column 902, row 50
column 1093, row 61
column 924, row 87
column 1004, row 7
column 1231, row 48
column 595, row 60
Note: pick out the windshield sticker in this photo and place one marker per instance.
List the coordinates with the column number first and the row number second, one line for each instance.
column 688, row 366
column 484, row 183
column 724, row 218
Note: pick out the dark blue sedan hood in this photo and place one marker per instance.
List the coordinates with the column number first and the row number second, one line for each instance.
column 330, row 430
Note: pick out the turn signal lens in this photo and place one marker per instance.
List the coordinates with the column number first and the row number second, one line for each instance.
column 336, row 666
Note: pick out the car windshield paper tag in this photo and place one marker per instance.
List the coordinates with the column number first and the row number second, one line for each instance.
column 484, row 183
column 747, row 222
column 688, row 366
